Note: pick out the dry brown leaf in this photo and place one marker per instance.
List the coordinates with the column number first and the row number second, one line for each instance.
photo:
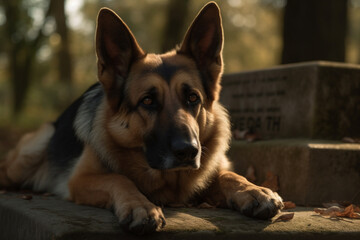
column 349, row 212
column 250, row 174
column 271, row 181
column 285, row 217
column 2, row 191
column 205, row 205
column 329, row 211
column 289, row 205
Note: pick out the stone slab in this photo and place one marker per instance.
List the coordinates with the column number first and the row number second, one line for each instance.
column 310, row 172
column 53, row 218
column 310, row 100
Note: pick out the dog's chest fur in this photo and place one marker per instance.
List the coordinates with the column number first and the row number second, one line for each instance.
column 166, row 187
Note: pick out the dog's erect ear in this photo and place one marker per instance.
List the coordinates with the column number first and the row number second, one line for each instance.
column 204, row 42
column 116, row 49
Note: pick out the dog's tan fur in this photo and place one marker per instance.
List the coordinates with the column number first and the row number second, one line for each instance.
column 112, row 170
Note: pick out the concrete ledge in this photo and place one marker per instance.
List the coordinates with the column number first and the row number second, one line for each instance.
column 52, row 218
column 310, row 172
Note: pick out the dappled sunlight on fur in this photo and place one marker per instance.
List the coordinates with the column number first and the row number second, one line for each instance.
column 152, row 133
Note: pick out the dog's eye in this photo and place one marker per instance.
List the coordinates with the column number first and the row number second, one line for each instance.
column 193, row 99
column 147, row 101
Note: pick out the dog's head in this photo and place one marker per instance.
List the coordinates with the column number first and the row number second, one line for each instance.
column 161, row 103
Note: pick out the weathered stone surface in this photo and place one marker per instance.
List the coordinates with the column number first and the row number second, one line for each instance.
column 52, row 218
column 310, row 172
column 310, row 100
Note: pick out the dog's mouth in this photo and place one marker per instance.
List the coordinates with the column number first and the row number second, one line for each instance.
column 170, row 161
column 174, row 164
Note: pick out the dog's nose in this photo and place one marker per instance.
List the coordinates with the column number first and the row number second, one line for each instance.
column 184, row 150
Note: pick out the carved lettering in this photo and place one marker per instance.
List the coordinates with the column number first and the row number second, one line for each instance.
column 273, row 123
column 270, row 123
column 256, row 104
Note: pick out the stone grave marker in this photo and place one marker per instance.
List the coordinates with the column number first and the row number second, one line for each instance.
column 304, row 100
column 300, row 109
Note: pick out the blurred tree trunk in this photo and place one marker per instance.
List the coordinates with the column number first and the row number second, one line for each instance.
column 21, row 50
column 63, row 51
column 314, row 30
column 177, row 12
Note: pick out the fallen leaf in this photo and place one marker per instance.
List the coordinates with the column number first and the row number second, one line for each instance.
column 271, row 181
column 289, row 205
column 2, row 191
column 250, row 174
column 206, row 205
column 285, row 217
column 349, row 212
column 331, row 211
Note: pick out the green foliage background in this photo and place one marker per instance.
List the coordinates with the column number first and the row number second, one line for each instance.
column 252, row 41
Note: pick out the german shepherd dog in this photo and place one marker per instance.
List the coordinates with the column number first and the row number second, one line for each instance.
column 151, row 133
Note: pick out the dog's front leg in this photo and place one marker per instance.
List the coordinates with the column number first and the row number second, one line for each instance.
column 91, row 186
column 234, row 191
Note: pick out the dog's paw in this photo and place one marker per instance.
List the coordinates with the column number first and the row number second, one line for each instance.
column 258, row 202
column 141, row 218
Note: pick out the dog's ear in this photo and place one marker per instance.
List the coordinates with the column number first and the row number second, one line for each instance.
column 116, row 49
column 203, row 42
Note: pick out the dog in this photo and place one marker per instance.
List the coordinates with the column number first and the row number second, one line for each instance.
column 150, row 133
